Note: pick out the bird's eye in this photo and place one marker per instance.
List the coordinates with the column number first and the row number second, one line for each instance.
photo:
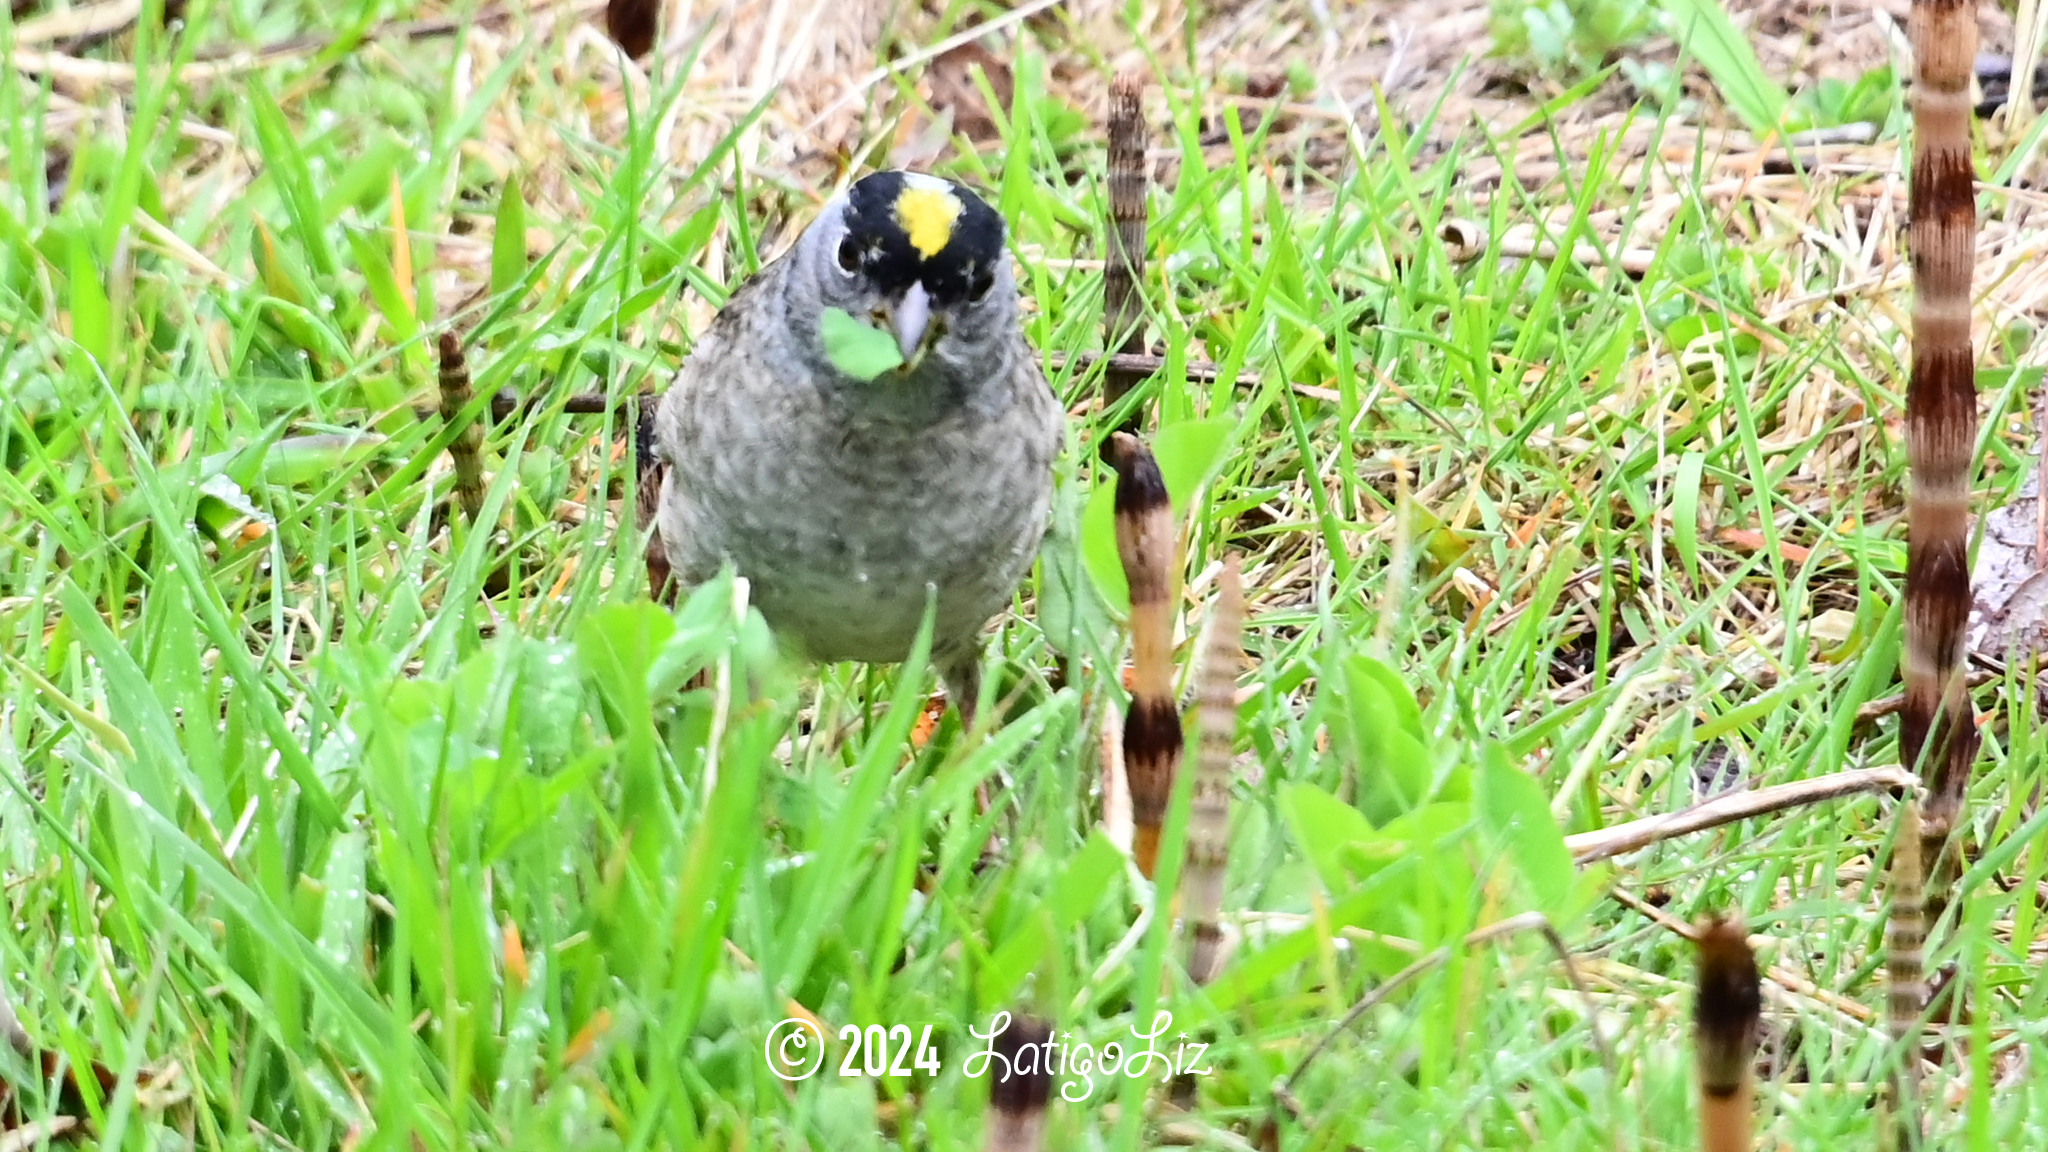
column 849, row 256
column 978, row 286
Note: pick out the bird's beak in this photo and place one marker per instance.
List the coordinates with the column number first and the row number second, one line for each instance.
column 912, row 318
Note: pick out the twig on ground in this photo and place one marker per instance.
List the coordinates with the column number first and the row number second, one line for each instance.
column 1587, row 847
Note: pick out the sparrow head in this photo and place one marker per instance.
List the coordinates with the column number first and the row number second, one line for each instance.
column 921, row 259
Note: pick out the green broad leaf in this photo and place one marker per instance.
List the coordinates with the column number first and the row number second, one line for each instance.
column 1422, row 864
column 680, row 247
column 1259, row 966
column 702, row 633
column 1071, row 612
column 1431, row 826
column 1445, row 547
column 618, row 644
column 1516, row 815
column 859, row 350
column 1403, row 711
column 1024, row 944
column 1189, row 453
column 1380, row 728
column 1090, row 874
column 543, row 475
column 631, row 308
column 1327, row 829
column 361, row 185
column 1098, row 545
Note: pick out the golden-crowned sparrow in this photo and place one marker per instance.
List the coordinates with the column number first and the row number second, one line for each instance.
column 842, row 499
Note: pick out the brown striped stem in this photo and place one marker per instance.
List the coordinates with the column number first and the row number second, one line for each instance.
column 1152, row 735
column 1937, row 733
column 466, row 449
column 1123, row 275
column 1905, row 979
column 1725, row 1027
column 1020, row 1086
column 1209, row 811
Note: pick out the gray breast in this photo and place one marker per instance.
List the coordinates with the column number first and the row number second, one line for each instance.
column 841, row 524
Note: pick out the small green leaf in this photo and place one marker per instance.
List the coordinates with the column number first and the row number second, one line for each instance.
column 1685, row 511
column 1403, row 710
column 361, row 185
column 280, row 278
column 549, row 688
column 681, row 246
column 632, row 306
column 222, row 502
column 1098, row 547
column 618, row 644
column 385, row 288
column 860, row 351
column 309, row 333
column 344, row 914
column 110, row 737
column 92, row 323
column 508, row 239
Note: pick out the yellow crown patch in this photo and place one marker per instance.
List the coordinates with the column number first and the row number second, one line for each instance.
column 927, row 216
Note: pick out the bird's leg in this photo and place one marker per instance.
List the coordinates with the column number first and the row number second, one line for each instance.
column 650, row 472
column 961, row 674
